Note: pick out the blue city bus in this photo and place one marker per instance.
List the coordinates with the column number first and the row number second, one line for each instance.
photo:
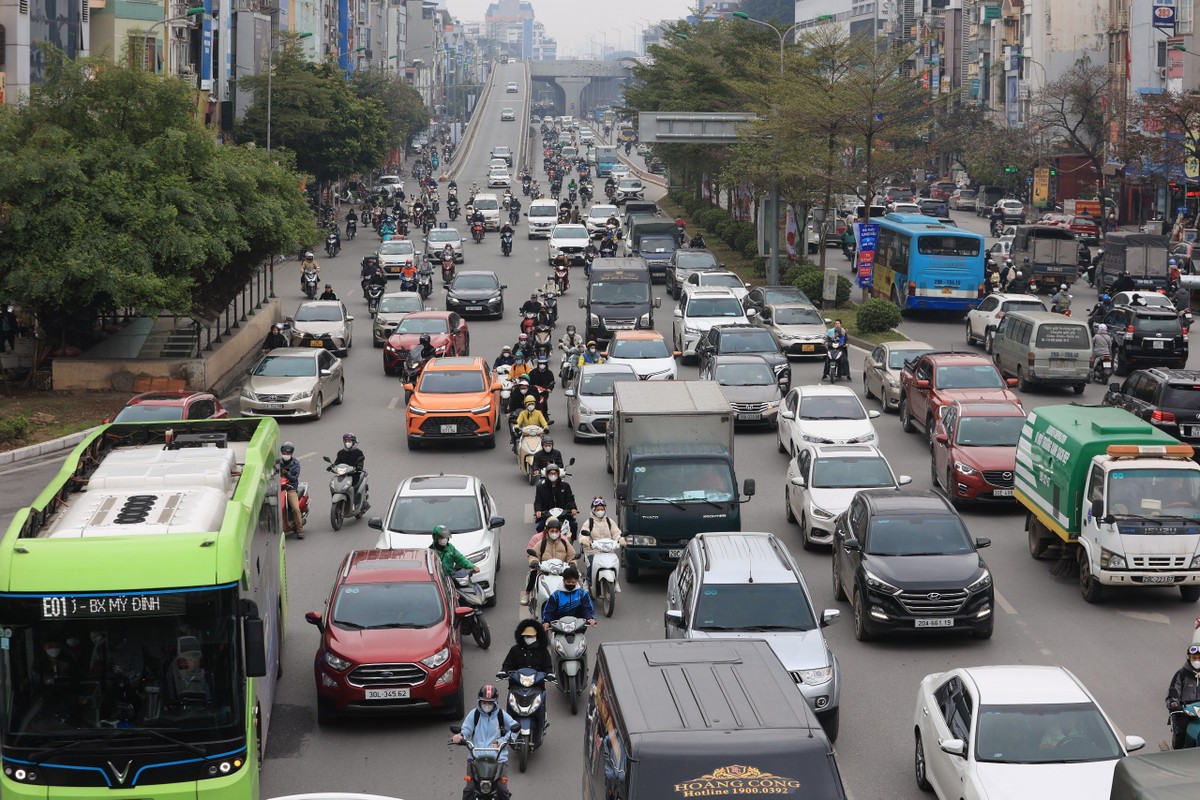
column 922, row 264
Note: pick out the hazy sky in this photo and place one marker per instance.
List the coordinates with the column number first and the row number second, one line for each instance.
column 572, row 21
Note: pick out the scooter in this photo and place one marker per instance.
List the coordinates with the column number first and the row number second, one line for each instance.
column 374, row 292
column 528, row 445
column 836, row 361
column 309, row 281
column 477, row 232
column 351, row 228
column 501, row 373
column 527, row 705
column 506, row 241
column 528, row 320
column 341, row 494
column 470, row 594
column 569, row 646
column 602, row 578
column 514, row 216
column 550, row 303
column 1102, row 369
column 483, row 767
column 562, row 278
column 1189, row 716
column 408, row 280
column 549, row 581
column 302, row 499
column 425, row 281
column 566, row 367
column 542, row 341
column 333, row 245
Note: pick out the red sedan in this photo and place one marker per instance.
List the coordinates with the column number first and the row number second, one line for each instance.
column 170, row 406
column 447, row 333
column 975, row 451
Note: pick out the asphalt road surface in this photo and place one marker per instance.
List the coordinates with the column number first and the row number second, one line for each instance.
column 1125, row 649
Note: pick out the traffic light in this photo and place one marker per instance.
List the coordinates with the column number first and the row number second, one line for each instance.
column 1010, row 168
column 1053, row 172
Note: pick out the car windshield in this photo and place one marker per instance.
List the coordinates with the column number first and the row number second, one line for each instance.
column 797, row 316
column 1050, row 733
column 982, row 376
column 399, row 247
column 851, row 472
column 695, row 261
column 602, row 212
column 728, row 280
column 474, row 282
column 143, row 412
column 1070, row 336
column 321, row 313
column 696, row 481
column 600, row 384
column 896, row 358
column 443, row 236
column 1021, row 305
column 931, row 245
column 366, row 606
column 753, row 607
column 400, row 305
column 745, row 375
column 638, row 348
column 966, row 194
column 756, row 340
column 989, row 431
column 714, row 307
column 1154, row 494
column 784, row 294
column 831, row 406
column 1157, row 324
column 570, row 233
column 917, row 536
column 421, row 325
column 490, row 203
column 1143, row 299
column 452, row 381
column 657, row 244
column 419, row 515
column 287, row 367
column 619, row 292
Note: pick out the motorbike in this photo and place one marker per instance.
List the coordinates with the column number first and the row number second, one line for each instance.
column 425, row 281
column 528, row 445
column 502, row 373
column 483, row 767
column 1062, row 306
column 571, row 195
column 680, row 236
column 602, row 577
column 569, row 648
column 309, row 280
column 566, row 367
column 470, row 594
column 997, row 227
column 506, row 241
column 542, row 341
column 452, row 210
column 549, row 581
column 1102, row 369
column 550, row 303
column 837, row 361
column 477, row 232
column 514, row 216
column 302, row 499
column 374, row 292
column 562, row 278
column 447, row 269
column 408, row 279
column 527, row 705
column 365, row 216
column 1033, row 286
column 333, row 245
column 341, row 491
column 528, row 320
column 1189, row 717
column 351, row 228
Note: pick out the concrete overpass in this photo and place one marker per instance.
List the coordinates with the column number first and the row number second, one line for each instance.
column 579, row 84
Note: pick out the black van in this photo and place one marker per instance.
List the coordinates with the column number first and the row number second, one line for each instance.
column 619, row 297
column 671, row 720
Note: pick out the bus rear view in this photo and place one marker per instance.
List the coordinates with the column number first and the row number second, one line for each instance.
column 606, row 159
column 924, row 265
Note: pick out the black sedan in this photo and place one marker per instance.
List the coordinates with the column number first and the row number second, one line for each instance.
column 907, row 563
column 476, row 293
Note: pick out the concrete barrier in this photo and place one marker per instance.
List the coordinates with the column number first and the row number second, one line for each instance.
column 468, row 141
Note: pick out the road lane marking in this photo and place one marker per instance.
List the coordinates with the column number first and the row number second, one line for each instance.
column 309, row 455
column 393, row 404
column 529, row 513
column 1004, row 604
column 1146, row 616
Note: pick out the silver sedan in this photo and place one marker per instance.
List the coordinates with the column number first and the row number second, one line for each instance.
column 881, row 370
column 590, row 398
column 293, row 382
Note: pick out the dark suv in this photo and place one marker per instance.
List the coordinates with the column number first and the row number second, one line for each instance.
column 907, row 563
column 683, row 263
column 744, row 340
column 1146, row 336
column 1167, row 398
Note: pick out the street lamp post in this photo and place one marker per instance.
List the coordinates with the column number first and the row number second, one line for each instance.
column 188, row 14
column 773, row 258
column 270, row 75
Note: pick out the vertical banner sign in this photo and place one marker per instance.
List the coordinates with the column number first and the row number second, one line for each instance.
column 1164, row 15
column 792, row 232
column 868, row 233
column 206, row 47
column 1041, row 187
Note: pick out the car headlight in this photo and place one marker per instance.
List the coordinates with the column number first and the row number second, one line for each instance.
column 248, row 393
column 981, row 583
column 338, row 333
column 866, row 437
column 808, row 437
column 815, row 677
column 641, row 541
column 479, row 555
column 388, row 348
column 893, row 384
column 336, row 661
column 594, row 320
column 482, row 409
column 692, row 330
column 437, row 659
column 772, row 405
column 586, row 410
column 964, row 469
column 417, row 410
column 877, row 584
column 302, row 395
column 644, row 319
column 821, row 513
column 1110, row 560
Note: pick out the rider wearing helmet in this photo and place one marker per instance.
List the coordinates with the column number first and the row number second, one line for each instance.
column 428, row 351
column 553, row 493
column 447, row 553
column 489, row 725
column 1183, row 690
column 541, row 375
column 350, row 454
column 547, row 455
column 548, row 545
column 530, row 415
column 1061, row 301
column 572, row 600
column 570, row 341
column 289, row 468
column 591, row 355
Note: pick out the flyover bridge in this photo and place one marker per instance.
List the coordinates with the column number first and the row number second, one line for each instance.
column 580, row 84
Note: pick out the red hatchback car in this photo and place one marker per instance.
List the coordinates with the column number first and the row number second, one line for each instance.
column 447, row 331
column 975, row 451
column 171, row 406
column 390, row 638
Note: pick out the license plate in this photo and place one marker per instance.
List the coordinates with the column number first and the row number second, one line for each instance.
column 947, row 290
column 1002, row 492
column 474, row 308
column 675, row 554
column 272, row 406
column 1189, row 430
column 1157, row 344
column 388, row 694
column 316, row 343
column 807, row 348
column 393, row 269
column 936, row 622
column 1158, row 579
column 749, row 417
column 1061, row 362
column 449, row 429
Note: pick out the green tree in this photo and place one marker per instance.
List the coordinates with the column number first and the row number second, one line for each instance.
column 403, row 109
column 114, row 196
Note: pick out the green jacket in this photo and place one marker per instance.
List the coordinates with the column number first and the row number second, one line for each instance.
column 451, row 559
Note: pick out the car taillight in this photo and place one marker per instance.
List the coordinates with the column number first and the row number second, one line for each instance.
column 912, row 287
column 1129, row 329
column 1031, row 359
column 1162, row 416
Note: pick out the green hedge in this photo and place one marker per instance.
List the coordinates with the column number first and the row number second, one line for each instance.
column 811, row 281
column 13, row 429
column 877, row 316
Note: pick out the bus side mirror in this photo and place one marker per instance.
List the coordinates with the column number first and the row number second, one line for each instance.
column 254, row 641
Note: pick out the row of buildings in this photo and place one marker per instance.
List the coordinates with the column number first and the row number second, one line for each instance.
column 213, row 43
column 512, row 27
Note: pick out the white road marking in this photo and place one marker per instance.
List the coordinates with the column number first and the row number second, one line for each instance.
column 393, row 404
column 309, row 455
column 529, row 513
column 1004, row 604
column 1146, row 616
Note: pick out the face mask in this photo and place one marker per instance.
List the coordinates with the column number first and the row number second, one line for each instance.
column 569, row 587
column 348, row 445
column 598, row 513
column 72, row 643
column 1196, row 664
column 546, row 448
column 554, row 536
column 53, row 651
column 592, row 350
column 487, row 708
column 442, row 541
column 530, row 640
column 552, row 478
column 287, row 456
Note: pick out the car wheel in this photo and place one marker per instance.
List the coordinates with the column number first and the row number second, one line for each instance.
column 806, row 540
column 831, row 722
column 414, row 443
column 920, row 769
column 866, row 388
column 490, row 442
column 377, row 343
column 1089, row 587
column 1119, row 365
column 341, row 395
column 861, row 632
column 933, row 473
column 839, row 592
column 466, row 351
column 1079, row 387
column 1189, row 593
column 779, row 442
column 787, row 507
column 456, row 708
column 989, row 340
column 970, row 338
column 1022, row 382
column 324, row 712
column 320, row 408
column 929, row 431
column 906, row 422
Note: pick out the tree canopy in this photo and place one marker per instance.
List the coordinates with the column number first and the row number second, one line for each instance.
column 114, row 196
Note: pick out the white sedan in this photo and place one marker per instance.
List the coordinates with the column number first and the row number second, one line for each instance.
column 497, row 177
column 823, row 479
column 1013, row 733
column 819, row 414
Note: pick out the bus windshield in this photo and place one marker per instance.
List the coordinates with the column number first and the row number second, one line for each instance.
column 106, row 665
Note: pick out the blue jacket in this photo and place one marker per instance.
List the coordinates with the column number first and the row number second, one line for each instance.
column 568, row 604
column 291, row 469
column 482, row 729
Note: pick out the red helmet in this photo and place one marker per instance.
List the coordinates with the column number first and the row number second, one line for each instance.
column 488, row 694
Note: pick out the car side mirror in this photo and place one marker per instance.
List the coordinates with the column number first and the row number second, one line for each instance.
column 1115, row 388
column 325, row 373
column 942, row 438
column 462, row 612
column 955, row 747
column 658, row 302
column 408, row 387
column 1097, row 508
column 786, row 414
column 676, row 353
column 621, row 490
column 922, row 384
column 673, row 618
column 503, row 286
column 677, row 313
column 497, row 386
column 568, row 392
column 982, row 542
column 495, row 522
column 582, row 303
column 1012, row 382
column 376, row 523
column 314, row 618
column 873, row 414
column 1134, row 743
column 851, row 544
column 830, row 616
column 748, row 487
column 350, row 318
column 750, row 312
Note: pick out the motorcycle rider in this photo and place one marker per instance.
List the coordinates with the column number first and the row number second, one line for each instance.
column 506, row 230
column 531, row 650
column 520, row 367
column 1123, row 283
column 548, row 545
column 547, row 455
column 532, row 305
column 1182, row 298
column 996, row 219
column 350, row 454
column 428, row 351
column 570, row 341
column 289, row 467
column 447, row 553
column 571, row 600
column 369, row 265
column 1102, row 343
column 590, row 355
column 553, row 493
column 1061, row 301
column 328, row 294
column 309, row 262
column 598, row 526
column 1018, row 285
column 530, row 415
column 505, row 359
column 488, row 725
column 1101, row 309
column 274, row 339
column 1183, row 690
column 837, row 334
column 542, row 376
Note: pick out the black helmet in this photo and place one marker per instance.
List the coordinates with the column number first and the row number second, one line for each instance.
column 349, row 437
column 287, row 447
column 488, row 694
column 425, row 339
column 548, row 440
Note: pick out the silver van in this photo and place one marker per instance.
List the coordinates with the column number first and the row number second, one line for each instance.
column 1041, row 347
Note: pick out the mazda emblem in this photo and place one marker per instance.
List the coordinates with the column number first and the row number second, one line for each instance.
column 934, row 596
column 1007, row 475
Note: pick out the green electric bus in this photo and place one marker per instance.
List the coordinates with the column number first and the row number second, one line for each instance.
column 142, row 600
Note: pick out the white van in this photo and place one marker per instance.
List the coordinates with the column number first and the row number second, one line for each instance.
column 543, row 216
column 489, row 204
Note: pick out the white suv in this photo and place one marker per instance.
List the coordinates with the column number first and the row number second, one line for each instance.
column 598, row 215
column 701, row 309
column 983, row 320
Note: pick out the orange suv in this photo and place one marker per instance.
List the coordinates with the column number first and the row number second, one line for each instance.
column 454, row 398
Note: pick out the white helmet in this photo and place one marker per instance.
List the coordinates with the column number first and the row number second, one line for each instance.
column 1063, row 287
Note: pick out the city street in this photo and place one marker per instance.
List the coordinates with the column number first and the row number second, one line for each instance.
column 1125, row 649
